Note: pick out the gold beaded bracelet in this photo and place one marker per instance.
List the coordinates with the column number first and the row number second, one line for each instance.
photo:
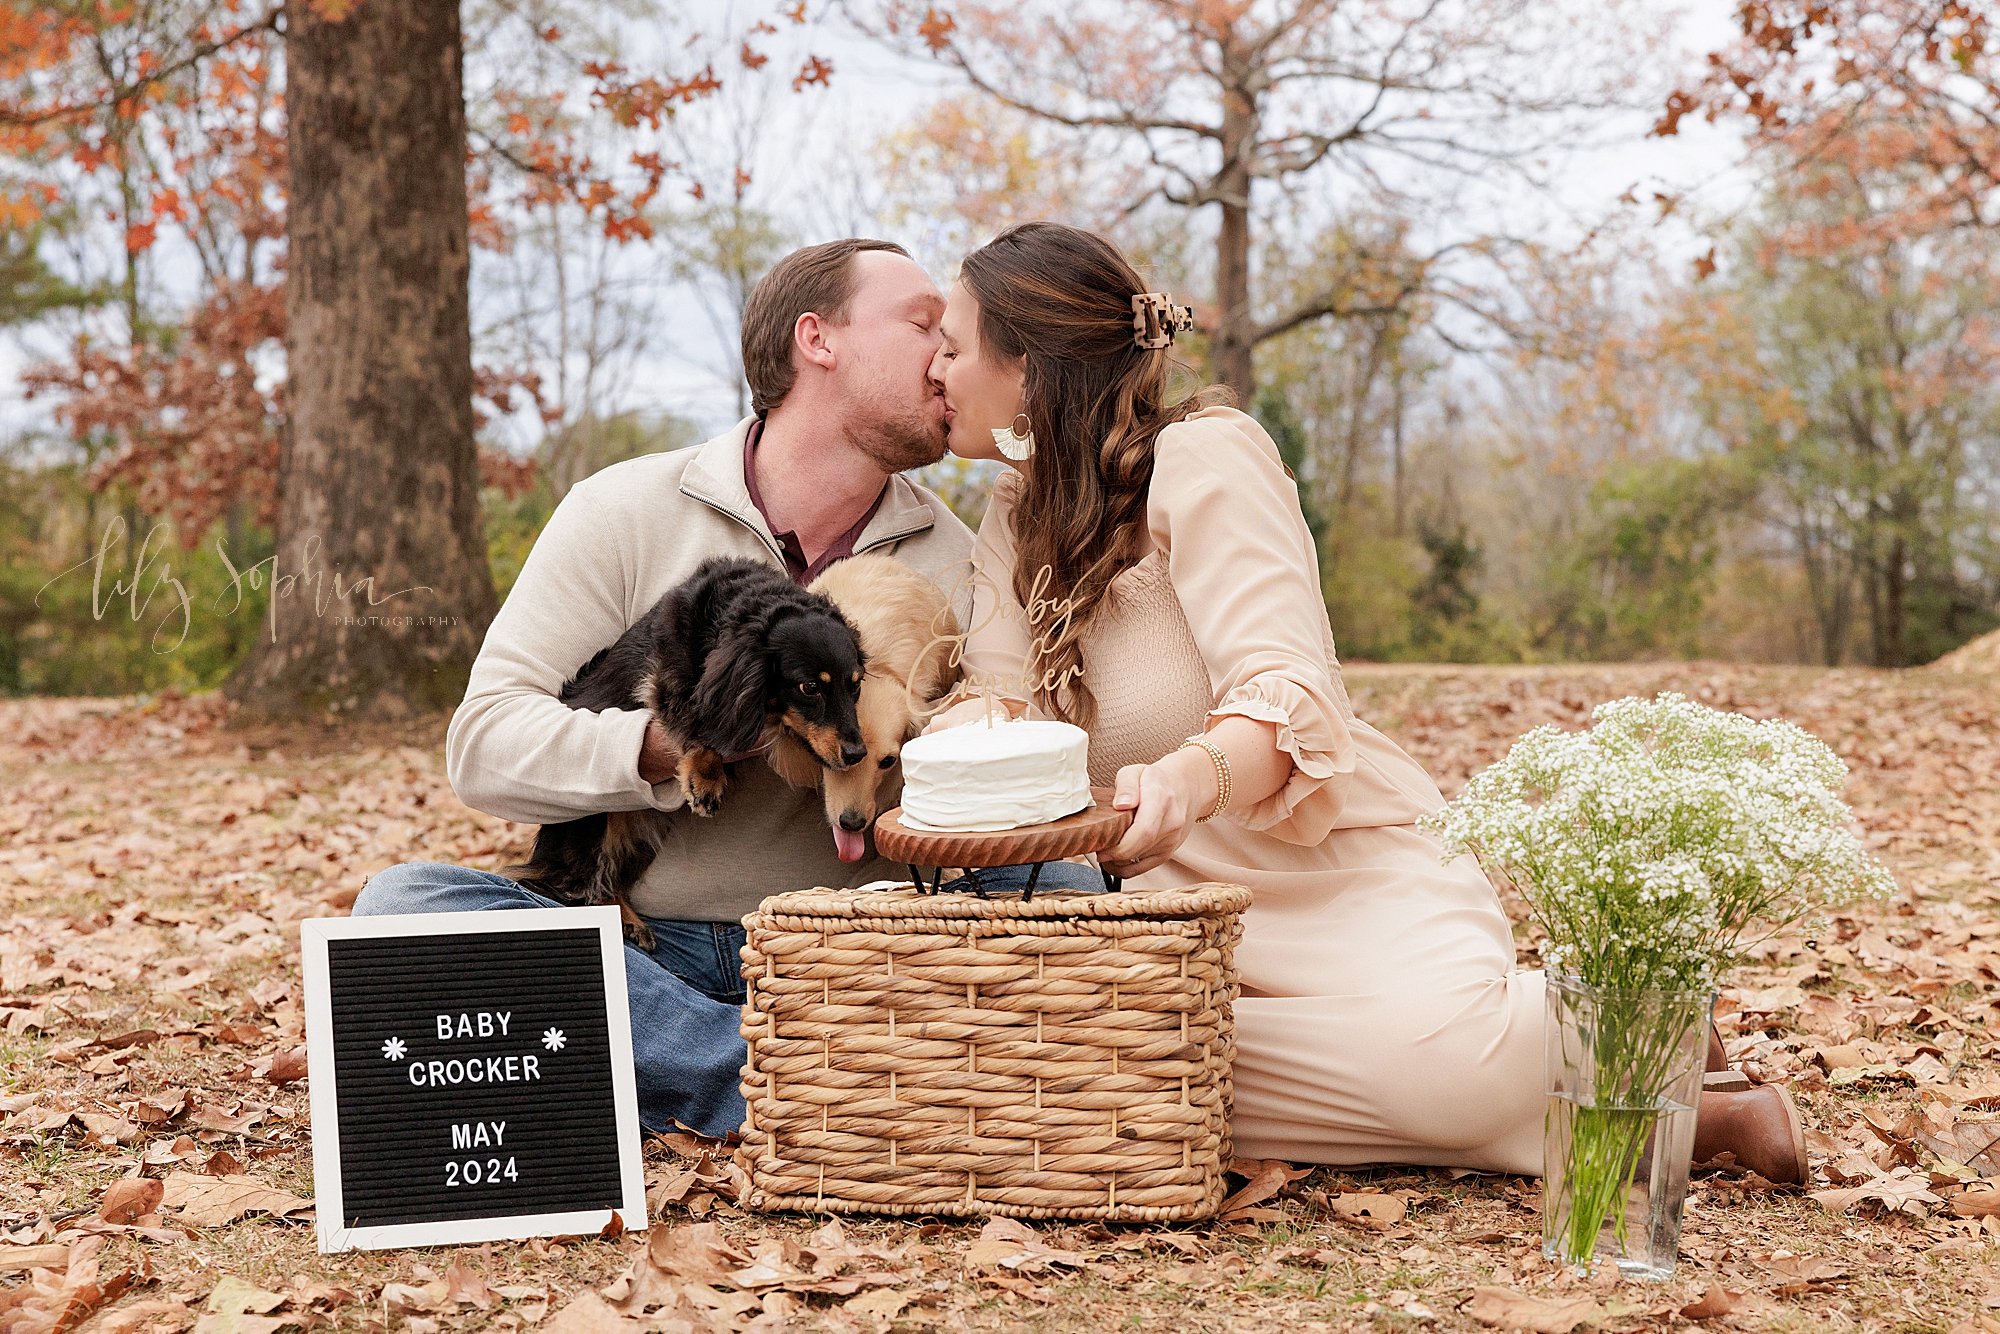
column 1221, row 763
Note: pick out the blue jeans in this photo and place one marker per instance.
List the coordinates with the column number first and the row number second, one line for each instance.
column 686, row 996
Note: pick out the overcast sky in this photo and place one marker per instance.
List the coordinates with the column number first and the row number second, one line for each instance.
column 873, row 90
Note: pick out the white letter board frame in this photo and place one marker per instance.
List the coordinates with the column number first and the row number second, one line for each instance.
column 314, row 933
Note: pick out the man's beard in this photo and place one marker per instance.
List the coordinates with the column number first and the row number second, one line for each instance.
column 913, row 439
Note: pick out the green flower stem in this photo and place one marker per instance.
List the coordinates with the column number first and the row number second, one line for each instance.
column 1636, row 1043
column 1604, row 1149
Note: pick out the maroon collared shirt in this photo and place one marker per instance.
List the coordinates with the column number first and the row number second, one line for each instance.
column 796, row 565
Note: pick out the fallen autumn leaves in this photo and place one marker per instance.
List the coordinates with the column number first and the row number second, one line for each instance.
column 154, row 1151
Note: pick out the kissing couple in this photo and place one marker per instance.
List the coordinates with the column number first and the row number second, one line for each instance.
column 1381, row 1017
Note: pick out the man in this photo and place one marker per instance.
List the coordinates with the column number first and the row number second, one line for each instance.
column 837, row 341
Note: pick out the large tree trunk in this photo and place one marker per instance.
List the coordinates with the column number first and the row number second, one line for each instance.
column 1890, row 650
column 1232, row 345
column 381, row 592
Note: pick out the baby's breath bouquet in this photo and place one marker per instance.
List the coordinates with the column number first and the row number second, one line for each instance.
column 1653, row 848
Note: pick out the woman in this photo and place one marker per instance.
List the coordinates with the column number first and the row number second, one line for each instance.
column 1144, row 571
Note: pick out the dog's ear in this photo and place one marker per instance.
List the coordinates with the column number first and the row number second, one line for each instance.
column 734, row 686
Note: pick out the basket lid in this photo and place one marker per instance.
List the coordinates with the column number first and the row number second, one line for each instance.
column 1199, row 900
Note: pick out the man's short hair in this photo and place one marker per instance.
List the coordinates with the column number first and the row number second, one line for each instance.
column 817, row 278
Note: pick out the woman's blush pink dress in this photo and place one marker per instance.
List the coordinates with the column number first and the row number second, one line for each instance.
column 1381, row 1016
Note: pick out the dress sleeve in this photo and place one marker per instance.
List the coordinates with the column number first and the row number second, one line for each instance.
column 998, row 647
column 1246, row 572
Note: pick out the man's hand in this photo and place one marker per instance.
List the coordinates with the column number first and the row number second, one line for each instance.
column 659, row 757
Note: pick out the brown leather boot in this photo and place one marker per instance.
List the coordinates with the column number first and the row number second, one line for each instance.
column 1760, row 1127
column 1717, row 1076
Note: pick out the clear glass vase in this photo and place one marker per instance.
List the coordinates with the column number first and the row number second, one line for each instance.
column 1624, row 1079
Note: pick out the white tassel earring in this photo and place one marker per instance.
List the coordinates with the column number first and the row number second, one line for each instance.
column 1016, row 440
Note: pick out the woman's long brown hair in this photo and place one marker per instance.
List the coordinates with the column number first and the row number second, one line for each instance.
column 1060, row 298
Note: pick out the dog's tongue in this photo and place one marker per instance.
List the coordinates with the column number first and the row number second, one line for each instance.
column 851, row 845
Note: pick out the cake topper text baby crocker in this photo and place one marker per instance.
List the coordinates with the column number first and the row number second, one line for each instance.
column 1049, row 624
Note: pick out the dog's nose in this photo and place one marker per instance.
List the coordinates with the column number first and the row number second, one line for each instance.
column 853, row 821
column 850, row 755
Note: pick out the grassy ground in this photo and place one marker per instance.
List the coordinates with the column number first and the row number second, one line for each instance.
column 155, row 1156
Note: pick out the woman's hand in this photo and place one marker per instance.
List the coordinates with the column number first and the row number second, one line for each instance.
column 1165, row 797
column 973, row 711
column 959, row 714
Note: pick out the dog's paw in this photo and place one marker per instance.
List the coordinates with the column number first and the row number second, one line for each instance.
column 636, row 929
column 705, row 779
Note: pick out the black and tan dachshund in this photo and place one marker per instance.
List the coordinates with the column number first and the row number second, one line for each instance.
column 731, row 653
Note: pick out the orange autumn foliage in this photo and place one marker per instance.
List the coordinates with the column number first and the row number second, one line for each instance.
column 171, row 139
column 1924, row 73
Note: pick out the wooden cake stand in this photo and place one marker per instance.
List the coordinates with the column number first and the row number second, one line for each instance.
column 1090, row 830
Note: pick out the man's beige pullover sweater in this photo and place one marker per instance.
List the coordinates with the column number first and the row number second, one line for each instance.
column 618, row 541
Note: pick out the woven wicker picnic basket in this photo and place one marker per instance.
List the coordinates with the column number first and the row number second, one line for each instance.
column 1067, row 1057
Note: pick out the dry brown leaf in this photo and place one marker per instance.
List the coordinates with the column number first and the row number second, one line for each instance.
column 1795, row 1274
column 1717, row 1301
column 1010, row 1244
column 161, row 1316
column 1857, row 1074
column 881, row 1304
column 1372, row 1209
column 160, row 1154
column 158, row 1108
column 234, row 1296
column 1981, row 1202
column 1844, row 1056
column 1769, row 1000
column 205, row 1201
column 697, row 1251
column 1898, row 1192
column 1505, row 1308
column 108, row 1130
column 464, row 1287
column 62, row 1296
column 237, row 1122
column 588, row 1314
column 1266, row 1179
column 20, row 1259
column 402, row 1298
column 286, row 1067
column 130, row 1199
column 768, row 1271
column 1973, row 1142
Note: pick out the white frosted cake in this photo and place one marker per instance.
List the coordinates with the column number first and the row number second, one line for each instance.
column 1001, row 775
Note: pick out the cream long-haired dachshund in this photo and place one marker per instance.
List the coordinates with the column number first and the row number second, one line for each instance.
column 908, row 636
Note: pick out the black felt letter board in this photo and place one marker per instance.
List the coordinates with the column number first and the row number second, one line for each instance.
column 472, row 1076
